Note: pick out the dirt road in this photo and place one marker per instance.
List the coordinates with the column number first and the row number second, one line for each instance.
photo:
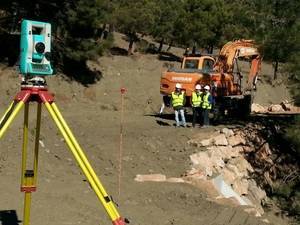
column 151, row 145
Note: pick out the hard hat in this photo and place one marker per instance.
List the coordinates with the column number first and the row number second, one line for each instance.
column 178, row 86
column 206, row 87
column 198, row 87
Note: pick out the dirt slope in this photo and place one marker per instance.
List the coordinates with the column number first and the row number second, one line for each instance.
column 151, row 145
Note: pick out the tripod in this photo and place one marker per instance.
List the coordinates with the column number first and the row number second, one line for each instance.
column 38, row 92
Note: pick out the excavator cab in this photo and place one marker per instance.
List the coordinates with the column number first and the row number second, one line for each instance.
column 198, row 63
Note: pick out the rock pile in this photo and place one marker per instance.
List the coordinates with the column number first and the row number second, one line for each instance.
column 283, row 107
column 271, row 163
column 224, row 155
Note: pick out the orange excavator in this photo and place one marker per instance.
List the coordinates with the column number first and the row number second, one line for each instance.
column 223, row 74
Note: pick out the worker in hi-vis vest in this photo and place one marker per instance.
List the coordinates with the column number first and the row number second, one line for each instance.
column 178, row 101
column 197, row 104
column 206, row 105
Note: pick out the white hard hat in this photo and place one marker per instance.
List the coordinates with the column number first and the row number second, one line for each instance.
column 198, row 87
column 207, row 87
column 178, row 86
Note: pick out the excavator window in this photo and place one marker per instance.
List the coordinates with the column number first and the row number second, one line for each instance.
column 208, row 64
column 191, row 64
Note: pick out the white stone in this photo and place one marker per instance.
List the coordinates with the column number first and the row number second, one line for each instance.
column 236, row 140
column 227, row 132
column 150, row 177
column 202, row 161
column 200, row 143
column 175, row 180
column 241, row 186
column 275, row 108
column 220, row 140
column 242, row 165
column 256, row 192
column 228, row 176
column 256, row 108
column 42, row 143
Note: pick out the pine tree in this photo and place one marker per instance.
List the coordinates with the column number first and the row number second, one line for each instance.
column 134, row 18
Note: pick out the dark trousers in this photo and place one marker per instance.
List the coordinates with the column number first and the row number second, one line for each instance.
column 197, row 115
column 205, row 114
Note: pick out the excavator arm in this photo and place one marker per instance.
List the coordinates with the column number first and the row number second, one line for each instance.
column 238, row 49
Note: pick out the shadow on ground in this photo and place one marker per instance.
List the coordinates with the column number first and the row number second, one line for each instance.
column 168, row 56
column 9, row 217
column 167, row 119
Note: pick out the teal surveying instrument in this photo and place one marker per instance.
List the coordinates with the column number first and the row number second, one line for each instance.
column 34, row 66
column 35, row 48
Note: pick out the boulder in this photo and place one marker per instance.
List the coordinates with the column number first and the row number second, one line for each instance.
column 228, row 175
column 225, row 152
column 248, row 149
column 220, row 140
column 227, row 132
column 286, row 106
column 175, row 180
column 195, row 174
column 242, row 165
column 206, row 142
column 240, row 186
column 264, row 151
column 236, row 140
column 202, row 161
column 236, row 172
column 236, row 151
column 275, row 108
column 255, row 193
column 200, row 143
column 199, row 158
column 150, row 177
column 257, row 108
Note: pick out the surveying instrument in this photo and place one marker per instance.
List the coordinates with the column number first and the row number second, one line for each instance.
column 34, row 66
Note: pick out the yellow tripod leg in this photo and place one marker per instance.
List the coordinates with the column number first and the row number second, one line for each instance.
column 8, row 111
column 104, row 199
column 25, row 142
column 81, row 153
column 7, row 121
column 29, row 177
column 24, row 178
column 37, row 142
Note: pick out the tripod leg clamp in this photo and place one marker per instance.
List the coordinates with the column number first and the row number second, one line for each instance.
column 119, row 221
column 28, row 185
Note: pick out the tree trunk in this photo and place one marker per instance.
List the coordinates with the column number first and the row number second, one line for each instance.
column 130, row 47
column 210, row 49
column 194, row 50
column 170, row 46
column 101, row 32
column 275, row 69
column 161, row 43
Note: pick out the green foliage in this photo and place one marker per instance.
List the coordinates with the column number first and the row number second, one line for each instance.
column 293, row 135
column 288, row 196
column 133, row 17
column 78, row 24
column 293, row 69
column 200, row 23
column 166, row 13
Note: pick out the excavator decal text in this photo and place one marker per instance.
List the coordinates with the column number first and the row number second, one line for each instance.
column 182, row 79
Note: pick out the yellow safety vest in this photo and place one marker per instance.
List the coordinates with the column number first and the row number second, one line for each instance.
column 206, row 104
column 196, row 99
column 177, row 100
